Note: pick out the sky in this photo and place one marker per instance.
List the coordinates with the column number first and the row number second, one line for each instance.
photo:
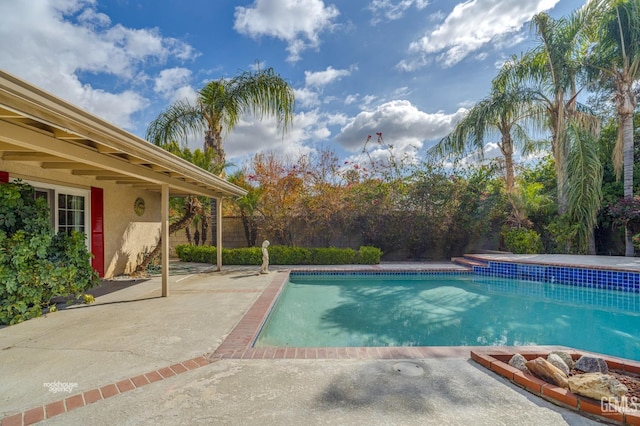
column 408, row 69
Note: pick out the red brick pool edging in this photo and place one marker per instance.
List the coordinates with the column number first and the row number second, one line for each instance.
column 47, row 411
column 497, row 361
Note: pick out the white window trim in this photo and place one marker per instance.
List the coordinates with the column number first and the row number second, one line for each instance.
column 86, row 193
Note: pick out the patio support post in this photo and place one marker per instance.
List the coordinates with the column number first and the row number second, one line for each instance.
column 164, row 236
column 219, row 233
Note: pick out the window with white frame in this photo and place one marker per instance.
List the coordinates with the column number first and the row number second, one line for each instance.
column 69, row 207
column 71, row 212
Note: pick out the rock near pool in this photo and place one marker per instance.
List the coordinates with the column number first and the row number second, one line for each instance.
column 558, row 362
column 596, row 386
column 548, row 372
column 565, row 357
column 591, row 364
column 518, row 361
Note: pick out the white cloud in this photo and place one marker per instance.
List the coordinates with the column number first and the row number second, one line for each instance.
column 173, row 85
column 298, row 22
column 402, row 125
column 393, row 10
column 322, row 78
column 51, row 43
column 306, row 98
column 252, row 136
column 171, row 79
column 471, row 26
column 401, row 92
column 336, row 119
column 368, row 100
column 351, row 99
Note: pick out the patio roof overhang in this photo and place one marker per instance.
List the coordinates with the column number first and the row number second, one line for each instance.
column 42, row 130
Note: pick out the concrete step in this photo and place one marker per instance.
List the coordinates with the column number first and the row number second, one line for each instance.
column 469, row 263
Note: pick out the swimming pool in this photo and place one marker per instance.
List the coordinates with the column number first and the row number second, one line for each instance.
column 341, row 310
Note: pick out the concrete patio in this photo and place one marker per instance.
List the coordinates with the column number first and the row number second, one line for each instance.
column 136, row 358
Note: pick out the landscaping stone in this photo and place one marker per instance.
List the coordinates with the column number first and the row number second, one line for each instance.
column 558, row 362
column 518, row 361
column 565, row 357
column 591, row 364
column 548, row 372
column 596, row 386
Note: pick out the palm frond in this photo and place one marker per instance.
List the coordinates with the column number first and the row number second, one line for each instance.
column 584, row 189
column 260, row 93
column 178, row 122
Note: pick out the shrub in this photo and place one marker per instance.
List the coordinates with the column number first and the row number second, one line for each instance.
column 281, row 255
column 287, row 255
column 368, row 255
column 36, row 265
column 523, row 241
column 332, row 256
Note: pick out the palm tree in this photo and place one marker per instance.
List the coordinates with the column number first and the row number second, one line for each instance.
column 502, row 113
column 552, row 68
column 218, row 109
column 616, row 58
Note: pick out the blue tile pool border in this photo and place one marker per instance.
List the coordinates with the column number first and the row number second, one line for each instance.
column 604, row 279
column 399, row 272
column 576, row 276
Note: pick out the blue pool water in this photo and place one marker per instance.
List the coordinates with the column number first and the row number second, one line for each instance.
column 450, row 310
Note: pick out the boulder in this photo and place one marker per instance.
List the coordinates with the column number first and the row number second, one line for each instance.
column 517, row 361
column 565, row 357
column 548, row 372
column 596, row 386
column 591, row 364
column 558, row 362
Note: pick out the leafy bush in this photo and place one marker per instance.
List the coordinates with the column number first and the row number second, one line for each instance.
column 281, row 255
column 333, row 256
column 523, row 241
column 287, row 255
column 35, row 264
column 368, row 255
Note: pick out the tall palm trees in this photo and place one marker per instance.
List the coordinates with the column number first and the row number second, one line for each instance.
column 540, row 89
column 616, row 58
column 219, row 107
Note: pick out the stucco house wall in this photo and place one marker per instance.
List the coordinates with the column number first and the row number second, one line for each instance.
column 128, row 236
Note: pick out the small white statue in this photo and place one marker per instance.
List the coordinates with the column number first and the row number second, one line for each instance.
column 265, row 258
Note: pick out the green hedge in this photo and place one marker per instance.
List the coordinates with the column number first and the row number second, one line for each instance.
column 281, row 255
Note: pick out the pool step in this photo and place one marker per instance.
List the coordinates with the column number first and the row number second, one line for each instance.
column 468, row 263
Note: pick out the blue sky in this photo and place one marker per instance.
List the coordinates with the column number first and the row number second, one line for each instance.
column 406, row 68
